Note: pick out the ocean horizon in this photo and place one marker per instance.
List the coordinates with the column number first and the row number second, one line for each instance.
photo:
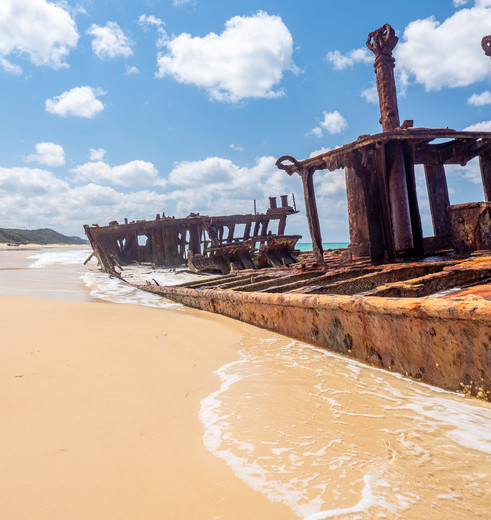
column 307, row 246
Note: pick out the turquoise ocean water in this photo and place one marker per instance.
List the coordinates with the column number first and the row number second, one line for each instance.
column 307, row 246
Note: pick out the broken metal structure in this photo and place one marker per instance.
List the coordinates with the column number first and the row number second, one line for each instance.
column 420, row 306
column 205, row 243
column 384, row 217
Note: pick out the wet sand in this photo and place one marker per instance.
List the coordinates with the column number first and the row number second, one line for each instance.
column 100, row 414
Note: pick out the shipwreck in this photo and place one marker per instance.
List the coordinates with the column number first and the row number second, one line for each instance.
column 205, row 243
column 416, row 305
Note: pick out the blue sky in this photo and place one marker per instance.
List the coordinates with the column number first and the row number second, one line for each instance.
column 114, row 109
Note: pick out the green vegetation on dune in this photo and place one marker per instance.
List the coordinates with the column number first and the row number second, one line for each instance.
column 37, row 236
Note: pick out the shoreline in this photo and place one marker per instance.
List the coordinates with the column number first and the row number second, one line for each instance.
column 24, row 247
column 101, row 414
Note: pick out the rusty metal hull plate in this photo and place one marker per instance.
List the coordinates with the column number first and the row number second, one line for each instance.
column 443, row 342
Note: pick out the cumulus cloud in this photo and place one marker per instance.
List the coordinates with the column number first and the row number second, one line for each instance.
column 79, row 102
column 41, row 31
column 483, row 126
column 247, row 60
column 237, row 148
column 30, row 182
column 333, row 122
column 97, row 154
column 480, row 100
column 109, row 41
column 225, row 187
column 150, row 21
column 446, row 54
column 131, row 174
column 460, row 3
column 342, row 61
column 49, row 154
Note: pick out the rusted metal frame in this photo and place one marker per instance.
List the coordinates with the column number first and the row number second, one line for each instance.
column 436, row 184
column 93, row 244
column 380, row 173
column 485, row 165
column 247, row 231
column 336, row 158
column 264, row 227
column 282, row 225
column 415, row 215
column 399, row 198
column 356, row 195
column 277, row 281
column 306, row 175
column 430, row 284
column 367, row 189
column 323, row 280
column 361, row 284
column 230, row 234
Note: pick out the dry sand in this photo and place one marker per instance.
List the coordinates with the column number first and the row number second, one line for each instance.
column 100, row 414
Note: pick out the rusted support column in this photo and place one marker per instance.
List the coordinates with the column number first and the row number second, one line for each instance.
column 257, row 225
column 247, row 231
column 312, row 214
column 381, row 42
column 485, row 164
column 264, row 228
column 194, row 240
column 230, row 235
column 436, row 184
column 416, row 227
column 357, row 212
column 282, row 225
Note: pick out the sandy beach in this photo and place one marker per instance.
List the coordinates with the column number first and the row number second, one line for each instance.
column 100, row 415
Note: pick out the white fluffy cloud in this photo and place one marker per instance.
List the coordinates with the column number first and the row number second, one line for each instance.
column 131, row 174
column 79, row 102
column 49, row 154
column 483, row 126
column 333, row 122
column 246, row 60
column 110, row 41
column 343, row 61
column 30, row 182
column 456, row 58
column 42, row 31
column 97, row 154
column 480, row 100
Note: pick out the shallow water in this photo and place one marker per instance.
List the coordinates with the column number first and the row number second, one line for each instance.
column 330, row 437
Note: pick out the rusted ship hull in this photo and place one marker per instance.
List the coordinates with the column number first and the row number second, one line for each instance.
column 444, row 340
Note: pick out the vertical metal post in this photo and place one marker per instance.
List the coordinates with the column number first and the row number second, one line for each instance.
column 485, row 164
column 438, row 198
column 382, row 42
column 312, row 214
